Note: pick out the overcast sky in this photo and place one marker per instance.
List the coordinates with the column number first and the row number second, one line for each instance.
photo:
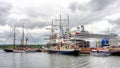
column 96, row 15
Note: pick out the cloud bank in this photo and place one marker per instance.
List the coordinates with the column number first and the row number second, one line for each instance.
column 96, row 15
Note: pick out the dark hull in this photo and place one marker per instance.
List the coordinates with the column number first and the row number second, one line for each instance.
column 65, row 52
column 8, row 50
column 12, row 50
column 85, row 52
column 38, row 50
column 115, row 53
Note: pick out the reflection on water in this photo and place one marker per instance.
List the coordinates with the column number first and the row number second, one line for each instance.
column 44, row 60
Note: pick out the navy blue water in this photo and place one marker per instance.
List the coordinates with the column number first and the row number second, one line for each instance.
column 44, row 60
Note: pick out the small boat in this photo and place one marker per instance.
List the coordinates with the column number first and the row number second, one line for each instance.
column 100, row 52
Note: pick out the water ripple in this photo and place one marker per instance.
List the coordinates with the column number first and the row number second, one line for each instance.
column 45, row 60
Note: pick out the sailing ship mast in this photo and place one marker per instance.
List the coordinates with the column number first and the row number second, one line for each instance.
column 60, row 26
column 60, row 31
column 22, row 39
column 14, row 39
column 68, row 23
column 51, row 38
column 67, row 27
column 26, row 40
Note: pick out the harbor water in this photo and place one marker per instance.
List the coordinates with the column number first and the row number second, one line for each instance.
column 45, row 60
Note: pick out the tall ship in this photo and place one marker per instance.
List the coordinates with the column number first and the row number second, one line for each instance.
column 22, row 48
column 60, row 42
column 81, row 39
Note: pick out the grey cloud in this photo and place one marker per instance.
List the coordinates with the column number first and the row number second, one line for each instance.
column 5, row 9
column 36, row 24
column 97, row 5
column 117, row 21
column 95, row 10
column 35, row 12
column 93, row 5
column 117, row 27
column 73, row 6
column 32, row 24
column 4, row 12
column 33, row 15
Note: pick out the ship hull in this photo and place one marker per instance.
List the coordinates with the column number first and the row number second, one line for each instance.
column 115, row 53
column 21, row 51
column 65, row 52
column 8, row 50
